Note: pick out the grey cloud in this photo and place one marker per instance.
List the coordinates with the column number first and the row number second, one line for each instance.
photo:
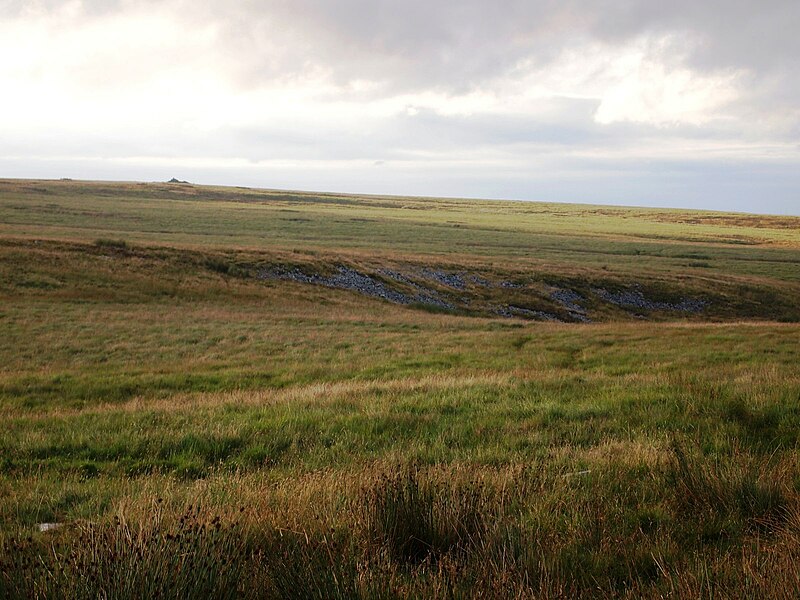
column 455, row 46
column 733, row 33
column 426, row 135
column 460, row 43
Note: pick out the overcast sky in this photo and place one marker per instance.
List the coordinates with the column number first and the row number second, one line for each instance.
column 684, row 103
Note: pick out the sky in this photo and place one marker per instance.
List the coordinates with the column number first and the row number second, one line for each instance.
column 649, row 103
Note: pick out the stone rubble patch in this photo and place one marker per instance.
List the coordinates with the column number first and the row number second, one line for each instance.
column 633, row 297
column 511, row 311
column 413, row 291
column 510, row 285
column 423, row 295
column 347, row 278
column 453, row 280
column 481, row 281
column 569, row 299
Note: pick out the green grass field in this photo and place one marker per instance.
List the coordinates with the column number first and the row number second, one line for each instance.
column 208, row 390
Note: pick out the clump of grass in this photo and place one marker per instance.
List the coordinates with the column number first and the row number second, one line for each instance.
column 191, row 558
column 761, row 428
column 741, row 488
column 416, row 519
column 299, row 566
column 519, row 341
column 111, row 244
column 223, row 267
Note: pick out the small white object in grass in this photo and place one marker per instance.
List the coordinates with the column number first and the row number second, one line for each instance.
column 586, row 472
column 49, row 526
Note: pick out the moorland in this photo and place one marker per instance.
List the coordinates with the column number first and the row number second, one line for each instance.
column 230, row 392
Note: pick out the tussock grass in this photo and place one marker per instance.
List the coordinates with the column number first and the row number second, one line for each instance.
column 394, row 531
column 749, row 490
column 105, row 243
column 416, row 519
column 192, row 557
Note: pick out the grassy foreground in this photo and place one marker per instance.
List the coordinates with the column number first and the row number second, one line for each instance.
column 198, row 430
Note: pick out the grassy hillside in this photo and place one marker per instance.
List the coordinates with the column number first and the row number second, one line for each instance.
column 239, row 393
column 508, row 258
column 199, row 216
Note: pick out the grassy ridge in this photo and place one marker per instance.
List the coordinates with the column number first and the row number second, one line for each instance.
column 618, row 239
column 201, row 430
